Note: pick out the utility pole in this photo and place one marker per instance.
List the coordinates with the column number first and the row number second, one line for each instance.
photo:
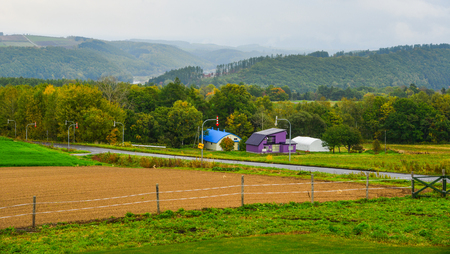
column 15, row 129
column 289, row 148
column 75, row 125
column 73, row 128
column 123, row 130
column 217, row 123
column 26, row 135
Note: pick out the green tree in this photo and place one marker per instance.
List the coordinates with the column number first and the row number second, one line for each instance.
column 143, row 99
column 172, row 92
column 239, row 125
column 142, row 127
column 113, row 90
column 180, row 123
column 305, row 124
column 332, row 137
column 231, row 98
column 350, row 137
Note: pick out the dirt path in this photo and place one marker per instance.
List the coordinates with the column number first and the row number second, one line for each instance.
column 115, row 192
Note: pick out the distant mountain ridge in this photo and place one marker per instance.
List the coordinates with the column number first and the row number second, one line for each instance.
column 217, row 54
column 124, row 59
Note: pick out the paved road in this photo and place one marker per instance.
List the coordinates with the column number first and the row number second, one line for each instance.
column 96, row 150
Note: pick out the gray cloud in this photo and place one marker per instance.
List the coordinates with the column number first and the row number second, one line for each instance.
column 322, row 24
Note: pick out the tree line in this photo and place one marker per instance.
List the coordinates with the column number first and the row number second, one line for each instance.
column 364, row 53
column 172, row 114
column 187, row 75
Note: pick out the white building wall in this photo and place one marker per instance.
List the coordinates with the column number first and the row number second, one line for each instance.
column 216, row 146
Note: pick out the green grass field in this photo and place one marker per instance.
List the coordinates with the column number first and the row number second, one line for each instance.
column 396, row 225
column 18, row 154
column 292, row 243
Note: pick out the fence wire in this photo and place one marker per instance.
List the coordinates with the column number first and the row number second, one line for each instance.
column 193, row 198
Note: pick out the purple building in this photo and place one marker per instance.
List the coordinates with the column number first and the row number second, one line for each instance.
column 269, row 141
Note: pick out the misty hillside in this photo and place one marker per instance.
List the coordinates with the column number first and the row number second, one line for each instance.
column 217, row 54
column 159, row 58
column 83, row 58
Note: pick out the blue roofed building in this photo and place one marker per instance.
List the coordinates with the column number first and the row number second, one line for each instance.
column 212, row 139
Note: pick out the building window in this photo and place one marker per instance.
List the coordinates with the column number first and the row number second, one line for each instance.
column 276, row 148
column 270, row 139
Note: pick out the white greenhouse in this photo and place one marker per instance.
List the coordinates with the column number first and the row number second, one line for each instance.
column 310, row 144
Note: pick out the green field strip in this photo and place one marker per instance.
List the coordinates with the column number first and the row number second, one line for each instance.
column 18, row 154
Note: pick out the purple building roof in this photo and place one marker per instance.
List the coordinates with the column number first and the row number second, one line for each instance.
column 257, row 137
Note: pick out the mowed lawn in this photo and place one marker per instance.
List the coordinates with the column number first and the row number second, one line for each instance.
column 291, row 243
column 18, row 154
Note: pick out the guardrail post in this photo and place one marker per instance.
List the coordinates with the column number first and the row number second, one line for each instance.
column 412, row 184
column 312, row 188
column 157, row 198
column 34, row 212
column 242, row 190
column 367, row 185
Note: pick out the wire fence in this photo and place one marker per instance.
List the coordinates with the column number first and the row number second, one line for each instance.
column 221, row 196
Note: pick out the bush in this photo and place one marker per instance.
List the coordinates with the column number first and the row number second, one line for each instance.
column 357, row 149
column 227, row 144
column 376, row 147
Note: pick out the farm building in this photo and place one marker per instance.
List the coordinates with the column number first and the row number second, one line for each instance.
column 310, row 144
column 269, row 141
column 213, row 138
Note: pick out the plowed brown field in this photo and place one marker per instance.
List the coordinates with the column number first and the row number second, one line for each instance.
column 67, row 194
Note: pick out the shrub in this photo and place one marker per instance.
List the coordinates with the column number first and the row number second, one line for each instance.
column 357, row 149
column 376, row 147
column 112, row 136
column 227, row 144
column 360, row 228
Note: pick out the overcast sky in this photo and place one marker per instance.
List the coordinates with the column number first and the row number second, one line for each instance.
column 302, row 24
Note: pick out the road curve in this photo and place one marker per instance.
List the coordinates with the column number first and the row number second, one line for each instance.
column 97, row 150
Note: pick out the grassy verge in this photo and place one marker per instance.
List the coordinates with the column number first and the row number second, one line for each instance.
column 403, row 159
column 70, row 150
column 17, row 154
column 395, row 221
column 155, row 162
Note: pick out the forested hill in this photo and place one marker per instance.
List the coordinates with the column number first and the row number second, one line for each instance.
column 56, row 63
column 423, row 67
column 90, row 59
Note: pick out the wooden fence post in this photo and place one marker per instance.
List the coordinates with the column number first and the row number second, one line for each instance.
column 444, row 183
column 34, row 212
column 312, row 188
column 412, row 184
column 242, row 191
column 157, row 198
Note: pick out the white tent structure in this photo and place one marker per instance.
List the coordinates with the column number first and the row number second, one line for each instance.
column 310, row 144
